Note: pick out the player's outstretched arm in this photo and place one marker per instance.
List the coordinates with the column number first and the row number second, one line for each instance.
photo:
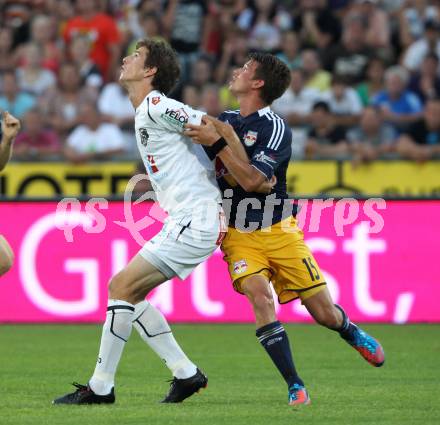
column 10, row 129
column 247, row 176
column 226, row 131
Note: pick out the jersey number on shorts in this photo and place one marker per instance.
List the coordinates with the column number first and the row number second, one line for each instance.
column 313, row 271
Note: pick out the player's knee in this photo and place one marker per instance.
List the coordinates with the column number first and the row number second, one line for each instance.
column 6, row 262
column 117, row 288
column 263, row 301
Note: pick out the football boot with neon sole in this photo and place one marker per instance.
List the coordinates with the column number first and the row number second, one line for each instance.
column 298, row 395
column 368, row 347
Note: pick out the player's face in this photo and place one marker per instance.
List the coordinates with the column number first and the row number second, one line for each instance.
column 133, row 66
column 243, row 78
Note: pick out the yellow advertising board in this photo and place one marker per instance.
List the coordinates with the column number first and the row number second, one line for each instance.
column 304, row 178
column 380, row 178
column 47, row 179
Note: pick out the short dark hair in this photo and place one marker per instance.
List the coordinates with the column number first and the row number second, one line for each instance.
column 162, row 56
column 275, row 74
column 321, row 105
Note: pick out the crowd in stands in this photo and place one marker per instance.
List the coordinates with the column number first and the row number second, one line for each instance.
column 365, row 73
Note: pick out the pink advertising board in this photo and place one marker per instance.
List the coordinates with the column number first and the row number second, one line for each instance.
column 380, row 271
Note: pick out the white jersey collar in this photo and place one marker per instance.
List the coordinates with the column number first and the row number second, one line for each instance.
column 263, row 111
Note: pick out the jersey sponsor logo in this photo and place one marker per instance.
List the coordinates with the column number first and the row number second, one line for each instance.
column 250, row 138
column 155, row 100
column 173, row 116
column 240, row 266
column 144, row 136
column 265, row 159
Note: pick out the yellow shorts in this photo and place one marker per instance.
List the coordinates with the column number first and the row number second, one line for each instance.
column 280, row 254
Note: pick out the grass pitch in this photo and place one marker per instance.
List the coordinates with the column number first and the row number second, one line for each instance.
column 37, row 363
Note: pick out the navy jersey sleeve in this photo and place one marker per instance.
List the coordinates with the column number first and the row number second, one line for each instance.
column 273, row 147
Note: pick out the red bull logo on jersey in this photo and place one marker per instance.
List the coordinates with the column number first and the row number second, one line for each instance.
column 240, row 266
column 250, row 138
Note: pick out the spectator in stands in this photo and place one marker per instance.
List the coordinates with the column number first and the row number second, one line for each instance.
column 43, row 32
column 422, row 140
column 63, row 11
column 351, row 56
column 317, row 25
column 201, row 72
column 103, row 34
column 295, row 105
column 412, row 16
column 88, row 70
column 7, row 55
column 400, row 107
column 234, row 54
column 16, row 15
column 210, row 101
column 429, row 43
column 326, row 139
column 32, row 77
column 290, row 50
column 191, row 96
column 374, row 82
column 315, row 76
column 426, row 82
column 61, row 105
column 149, row 25
column 16, row 102
column 377, row 23
column 344, row 102
column 372, row 138
column 93, row 139
column 116, row 108
column 187, row 25
column 265, row 35
column 35, row 141
column 239, row 13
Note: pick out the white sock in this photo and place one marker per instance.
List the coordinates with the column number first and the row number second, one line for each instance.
column 115, row 333
column 155, row 331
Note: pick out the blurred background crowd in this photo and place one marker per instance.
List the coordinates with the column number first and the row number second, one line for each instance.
column 365, row 73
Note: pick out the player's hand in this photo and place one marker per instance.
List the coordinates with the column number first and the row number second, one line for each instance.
column 10, row 126
column 223, row 128
column 204, row 134
column 267, row 186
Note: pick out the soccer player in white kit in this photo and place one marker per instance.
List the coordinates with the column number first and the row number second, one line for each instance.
column 184, row 182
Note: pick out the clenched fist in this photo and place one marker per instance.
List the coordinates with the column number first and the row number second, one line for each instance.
column 10, row 127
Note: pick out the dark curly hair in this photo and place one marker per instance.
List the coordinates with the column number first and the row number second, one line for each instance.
column 162, row 56
column 274, row 73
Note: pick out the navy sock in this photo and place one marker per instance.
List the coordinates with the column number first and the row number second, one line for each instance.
column 347, row 329
column 274, row 339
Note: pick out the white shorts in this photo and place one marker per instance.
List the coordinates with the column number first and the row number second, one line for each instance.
column 179, row 248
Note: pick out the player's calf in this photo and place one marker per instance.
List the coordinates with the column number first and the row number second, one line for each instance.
column 6, row 256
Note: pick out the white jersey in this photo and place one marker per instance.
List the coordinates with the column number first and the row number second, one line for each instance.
column 180, row 172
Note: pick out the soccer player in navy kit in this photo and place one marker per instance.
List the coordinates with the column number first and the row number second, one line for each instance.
column 263, row 243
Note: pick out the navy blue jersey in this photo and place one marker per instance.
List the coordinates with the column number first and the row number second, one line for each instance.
column 267, row 140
